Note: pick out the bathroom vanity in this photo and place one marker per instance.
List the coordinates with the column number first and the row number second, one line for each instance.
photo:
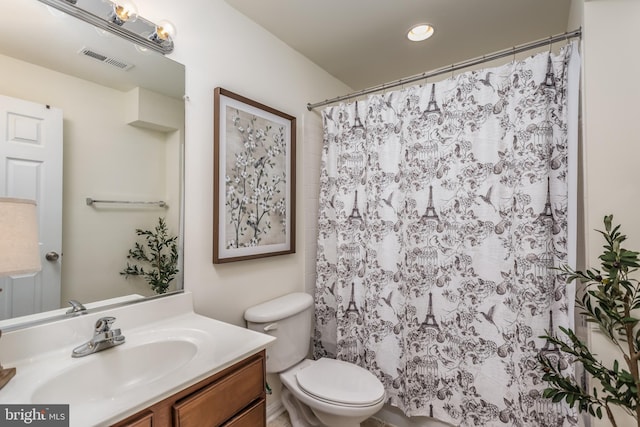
column 234, row 397
column 176, row 368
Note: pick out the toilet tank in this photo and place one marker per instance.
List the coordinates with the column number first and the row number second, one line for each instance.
column 288, row 319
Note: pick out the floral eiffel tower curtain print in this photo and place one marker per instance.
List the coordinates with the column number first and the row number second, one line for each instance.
column 444, row 210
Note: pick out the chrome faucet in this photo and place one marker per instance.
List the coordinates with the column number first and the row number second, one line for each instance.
column 104, row 337
column 76, row 308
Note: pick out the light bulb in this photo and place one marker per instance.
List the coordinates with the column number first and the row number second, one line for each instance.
column 124, row 11
column 420, row 32
column 165, row 30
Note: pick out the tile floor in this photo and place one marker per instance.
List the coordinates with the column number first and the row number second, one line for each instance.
column 283, row 421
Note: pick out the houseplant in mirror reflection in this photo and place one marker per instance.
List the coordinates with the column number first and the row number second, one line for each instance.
column 610, row 301
column 158, row 257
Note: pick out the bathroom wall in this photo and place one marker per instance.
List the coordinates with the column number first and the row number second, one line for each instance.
column 98, row 139
column 312, row 160
column 221, row 47
column 612, row 144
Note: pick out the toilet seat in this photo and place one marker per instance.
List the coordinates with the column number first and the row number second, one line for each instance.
column 340, row 383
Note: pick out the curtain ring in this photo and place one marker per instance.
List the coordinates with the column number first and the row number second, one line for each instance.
column 514, row 53
column 550, row 43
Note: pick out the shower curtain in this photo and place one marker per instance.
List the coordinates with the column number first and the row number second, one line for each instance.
column 444, row 210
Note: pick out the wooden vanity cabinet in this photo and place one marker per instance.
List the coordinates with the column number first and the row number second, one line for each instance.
column 234, row 397
column 144, row 419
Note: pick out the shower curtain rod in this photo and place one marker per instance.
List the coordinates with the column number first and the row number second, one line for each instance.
column 453, row 67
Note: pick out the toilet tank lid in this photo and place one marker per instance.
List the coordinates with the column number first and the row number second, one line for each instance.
column 279, row 308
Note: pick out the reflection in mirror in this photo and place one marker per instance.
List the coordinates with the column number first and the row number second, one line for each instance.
column 110, row 116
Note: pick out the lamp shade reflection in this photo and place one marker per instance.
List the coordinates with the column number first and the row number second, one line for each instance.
column 19, row 252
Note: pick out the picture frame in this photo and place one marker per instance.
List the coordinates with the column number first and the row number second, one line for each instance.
column 254, row 179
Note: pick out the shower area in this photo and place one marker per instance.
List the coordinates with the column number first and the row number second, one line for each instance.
column 444, row 208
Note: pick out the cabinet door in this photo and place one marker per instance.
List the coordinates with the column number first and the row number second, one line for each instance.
column 253, row 417
column 217, row 403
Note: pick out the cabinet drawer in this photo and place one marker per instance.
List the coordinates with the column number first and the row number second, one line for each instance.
column 144, row 420
column 253, row 417
column 220, row 401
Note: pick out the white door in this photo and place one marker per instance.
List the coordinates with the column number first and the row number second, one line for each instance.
column 31, row 168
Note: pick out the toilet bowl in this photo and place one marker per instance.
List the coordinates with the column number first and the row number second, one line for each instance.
column 338, row 393
column 316, row 393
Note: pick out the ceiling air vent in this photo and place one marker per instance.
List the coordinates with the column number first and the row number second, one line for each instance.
column 118, row 63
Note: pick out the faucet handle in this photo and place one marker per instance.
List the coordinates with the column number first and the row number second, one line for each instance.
column 104, row 324
column 76, row 308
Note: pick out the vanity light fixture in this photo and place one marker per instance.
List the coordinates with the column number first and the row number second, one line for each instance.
column 120, row 17
column 19, row 247
column 420, row 32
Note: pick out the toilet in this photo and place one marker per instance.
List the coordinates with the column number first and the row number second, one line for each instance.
column 316, row 393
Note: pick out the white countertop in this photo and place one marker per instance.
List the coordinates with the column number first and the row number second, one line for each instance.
column 42, row 356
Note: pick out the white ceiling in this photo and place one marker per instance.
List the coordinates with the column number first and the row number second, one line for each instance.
column 363, row 42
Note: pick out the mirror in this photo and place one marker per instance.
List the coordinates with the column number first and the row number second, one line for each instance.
column 122, row 140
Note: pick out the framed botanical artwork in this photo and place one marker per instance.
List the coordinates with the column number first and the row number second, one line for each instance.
column 254, row 179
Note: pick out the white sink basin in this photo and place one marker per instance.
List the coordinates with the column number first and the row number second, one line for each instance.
column 112, row 372
column 168, row 348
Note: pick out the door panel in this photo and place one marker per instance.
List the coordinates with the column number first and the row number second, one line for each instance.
column 31, row 168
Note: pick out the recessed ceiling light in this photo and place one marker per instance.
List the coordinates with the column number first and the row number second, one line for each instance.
column 420, row 32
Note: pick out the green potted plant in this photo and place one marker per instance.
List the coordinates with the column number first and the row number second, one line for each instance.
column 610, row 300
column 160, row 255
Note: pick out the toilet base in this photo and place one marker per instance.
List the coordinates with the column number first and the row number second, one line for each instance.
column 299, row 414
column 302, row 416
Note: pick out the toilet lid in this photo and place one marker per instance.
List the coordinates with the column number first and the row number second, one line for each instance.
column 340, row 382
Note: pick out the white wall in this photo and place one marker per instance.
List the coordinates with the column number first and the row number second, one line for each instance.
column 221, row 47
column 612, row 148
